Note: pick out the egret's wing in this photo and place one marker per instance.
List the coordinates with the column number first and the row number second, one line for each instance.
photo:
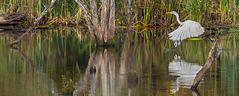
column 195, row 29
column 187, row 30
column 179, row 34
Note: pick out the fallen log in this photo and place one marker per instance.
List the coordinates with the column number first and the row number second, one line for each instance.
column 12, row 21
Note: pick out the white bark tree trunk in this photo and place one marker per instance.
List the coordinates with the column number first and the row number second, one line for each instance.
column 101, row 27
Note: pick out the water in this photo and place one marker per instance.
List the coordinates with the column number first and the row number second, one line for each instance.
column 65, row 62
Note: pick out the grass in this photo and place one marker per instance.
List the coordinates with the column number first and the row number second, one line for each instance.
column 208, row 12
column 150, row 13
column 64, row 12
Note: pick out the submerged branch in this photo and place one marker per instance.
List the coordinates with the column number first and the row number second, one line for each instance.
column 24, row 57
column 195, row 92
column 45, row 11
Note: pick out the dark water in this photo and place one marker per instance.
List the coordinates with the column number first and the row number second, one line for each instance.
column 65, row 62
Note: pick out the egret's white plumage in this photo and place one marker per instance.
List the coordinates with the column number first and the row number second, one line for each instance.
column 186, row 29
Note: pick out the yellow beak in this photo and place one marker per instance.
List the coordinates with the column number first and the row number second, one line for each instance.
column 169, row 12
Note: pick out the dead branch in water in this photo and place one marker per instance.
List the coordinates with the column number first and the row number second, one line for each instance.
column 213, row 54
column 45, row 11
column 195, row 92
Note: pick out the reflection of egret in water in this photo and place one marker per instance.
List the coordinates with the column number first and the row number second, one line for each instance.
column 184, row 71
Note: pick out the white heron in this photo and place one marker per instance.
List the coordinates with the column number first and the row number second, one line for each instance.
column 186, row 29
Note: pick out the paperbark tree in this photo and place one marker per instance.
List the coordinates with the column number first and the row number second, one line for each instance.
column 101, row 27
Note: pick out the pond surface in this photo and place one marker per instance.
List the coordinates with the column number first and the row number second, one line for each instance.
column 65, row 62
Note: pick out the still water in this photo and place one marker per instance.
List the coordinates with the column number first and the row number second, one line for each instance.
column 65, row 62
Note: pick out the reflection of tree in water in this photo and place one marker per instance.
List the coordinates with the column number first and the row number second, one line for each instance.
column 101, row 64
column 42, row 77
column 184, row 71
column 58, row 61
column 107, row 76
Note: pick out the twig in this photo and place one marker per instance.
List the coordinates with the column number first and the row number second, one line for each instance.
column 45, row 11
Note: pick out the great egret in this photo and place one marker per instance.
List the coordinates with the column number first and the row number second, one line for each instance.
column 186, row 29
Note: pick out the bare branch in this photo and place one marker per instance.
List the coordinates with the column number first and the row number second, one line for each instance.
column 46, row 10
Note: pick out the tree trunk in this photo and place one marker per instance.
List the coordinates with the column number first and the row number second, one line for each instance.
column 101, row 27
column 130, row 15
column 111, row 25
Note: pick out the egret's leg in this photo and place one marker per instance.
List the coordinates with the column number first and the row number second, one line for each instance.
column 177, row 43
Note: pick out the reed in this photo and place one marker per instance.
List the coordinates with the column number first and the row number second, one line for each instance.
column 63, row 12
column 208, row 12
column 146, row 13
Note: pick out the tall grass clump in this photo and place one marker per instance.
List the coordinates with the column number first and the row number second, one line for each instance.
column 64, row 11
column 145, row 13
column 208, row 12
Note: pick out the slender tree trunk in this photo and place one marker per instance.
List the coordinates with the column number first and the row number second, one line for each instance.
column 129, row 10
column 95, row 18
column 104, row 16
column 111, row 20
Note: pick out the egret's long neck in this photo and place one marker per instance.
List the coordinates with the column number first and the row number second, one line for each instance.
column 177, row 16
